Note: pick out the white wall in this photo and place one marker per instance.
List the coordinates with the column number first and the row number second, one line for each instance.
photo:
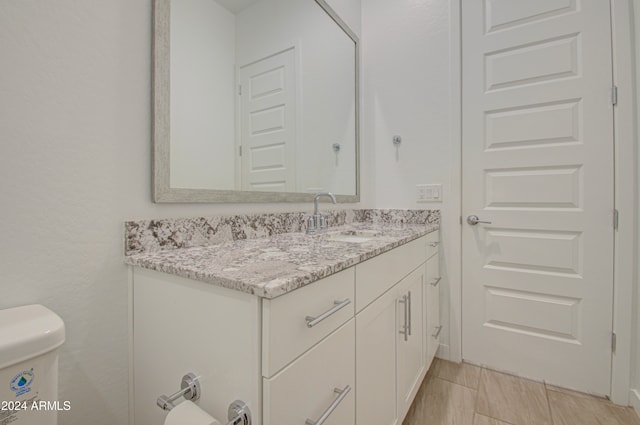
column 74, row 165
column 407, row 92
column 635, row 349
column 203, row 95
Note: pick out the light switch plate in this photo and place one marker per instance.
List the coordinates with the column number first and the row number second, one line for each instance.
column 429, row 192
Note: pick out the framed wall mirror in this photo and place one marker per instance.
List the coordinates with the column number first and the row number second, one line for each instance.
column 254, row 101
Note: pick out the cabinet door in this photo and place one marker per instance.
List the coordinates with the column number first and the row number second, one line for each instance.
column 376, row 362
column 410, row 338
column 432, row 305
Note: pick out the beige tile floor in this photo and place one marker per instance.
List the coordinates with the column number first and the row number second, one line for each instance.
column 463, row 394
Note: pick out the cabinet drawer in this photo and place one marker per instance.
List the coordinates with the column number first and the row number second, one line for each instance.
column 377, row 275
column 286, row 328
column 305, row 389
column 433, row 243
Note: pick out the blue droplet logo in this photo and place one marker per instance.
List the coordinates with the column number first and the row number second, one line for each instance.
column 21, row 383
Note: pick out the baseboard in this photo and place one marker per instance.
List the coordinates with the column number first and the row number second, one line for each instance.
column 634, row 399
column 444, row 352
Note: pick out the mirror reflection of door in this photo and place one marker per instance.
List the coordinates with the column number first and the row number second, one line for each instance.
column 298, row 62
column 267, row 123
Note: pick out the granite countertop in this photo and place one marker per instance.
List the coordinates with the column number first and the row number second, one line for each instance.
column 272, row 266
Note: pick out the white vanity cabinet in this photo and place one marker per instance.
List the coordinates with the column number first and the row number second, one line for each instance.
column 391, row 331
column 352, row 348
column 182, row 326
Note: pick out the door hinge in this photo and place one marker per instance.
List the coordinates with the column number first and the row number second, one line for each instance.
column 613, row 342
column 239, row 90
column 616, row 219
column 239, row 150
column 460, row 220
column 614, row 95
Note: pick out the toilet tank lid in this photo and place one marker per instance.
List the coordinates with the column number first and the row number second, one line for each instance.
column 27, row 332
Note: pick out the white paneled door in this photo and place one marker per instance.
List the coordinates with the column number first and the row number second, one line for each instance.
column 538, row 165
column 268, row 106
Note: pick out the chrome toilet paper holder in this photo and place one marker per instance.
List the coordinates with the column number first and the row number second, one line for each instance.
column 189, row 389
column 238, row 413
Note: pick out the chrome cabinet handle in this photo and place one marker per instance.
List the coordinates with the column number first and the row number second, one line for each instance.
column 405, row 327
column 434, row 244
column 436, row 280
column 342, row 393
column 338, row 305
column 409, row 330
column 436, row 334
column 474, row 219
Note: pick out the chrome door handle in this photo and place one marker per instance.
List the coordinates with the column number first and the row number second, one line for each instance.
column 474, row 219
column 342, row 393
column 435, row 281
column 312, row 321
column 434, row 244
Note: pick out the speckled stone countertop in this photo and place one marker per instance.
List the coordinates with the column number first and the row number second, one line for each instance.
column 272, row 266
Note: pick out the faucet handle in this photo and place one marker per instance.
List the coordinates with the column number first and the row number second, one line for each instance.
column 311, row 224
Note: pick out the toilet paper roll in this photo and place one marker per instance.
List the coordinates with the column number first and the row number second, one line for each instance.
column 187, row 413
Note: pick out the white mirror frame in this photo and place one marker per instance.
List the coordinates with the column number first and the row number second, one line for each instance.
column 161, row 185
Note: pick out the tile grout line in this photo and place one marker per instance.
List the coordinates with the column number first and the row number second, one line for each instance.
column 546, row 396
column 479, row 378
column 475, row 402
column 475, row 411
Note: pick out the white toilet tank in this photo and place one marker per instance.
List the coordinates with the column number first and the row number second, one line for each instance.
column 29, row 338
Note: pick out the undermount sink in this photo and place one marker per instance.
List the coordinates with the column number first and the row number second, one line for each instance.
column 353, row 236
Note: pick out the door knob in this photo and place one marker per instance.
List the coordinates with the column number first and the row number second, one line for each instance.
column 473, row 220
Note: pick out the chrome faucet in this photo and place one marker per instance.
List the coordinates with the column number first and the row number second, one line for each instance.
column 317, row 223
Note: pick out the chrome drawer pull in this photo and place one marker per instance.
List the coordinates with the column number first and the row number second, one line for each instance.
column 409, row 330
column 405, row 327
column 436, row 334
column 434, row 244
column 341, row 395
column 436, row 280
column 312, row 321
